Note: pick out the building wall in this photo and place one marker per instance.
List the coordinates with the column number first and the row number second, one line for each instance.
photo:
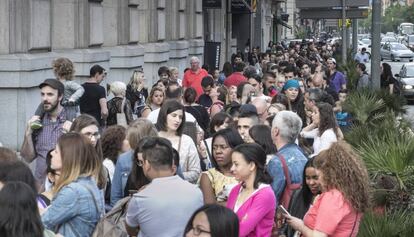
column 120, row 35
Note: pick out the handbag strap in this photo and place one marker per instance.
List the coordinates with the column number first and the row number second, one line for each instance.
column 179, row 144
column 353, row 227
column 285, row 170
column 208, row 151
column 123, row 105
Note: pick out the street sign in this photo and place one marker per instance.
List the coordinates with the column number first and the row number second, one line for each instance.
column 212, row 54
column 301, row 4
column 332, row 14
column 241, row 6
column 211, row 3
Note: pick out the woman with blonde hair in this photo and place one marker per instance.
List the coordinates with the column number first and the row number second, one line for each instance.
column 344, row 182
column 78, row 203
column 118, row 104
column 136, row 92
column 154, row 101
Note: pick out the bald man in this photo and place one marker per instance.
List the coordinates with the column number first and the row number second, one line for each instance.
column 319, row 82
column 261, row 106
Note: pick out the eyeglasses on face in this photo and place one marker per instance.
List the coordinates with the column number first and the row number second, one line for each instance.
column 197, row 231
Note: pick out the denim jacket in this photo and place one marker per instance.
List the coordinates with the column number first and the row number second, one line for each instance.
column 295, row 160
column 73, row 212
column 122, row 169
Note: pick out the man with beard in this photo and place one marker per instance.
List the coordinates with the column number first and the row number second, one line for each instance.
column 37, row 143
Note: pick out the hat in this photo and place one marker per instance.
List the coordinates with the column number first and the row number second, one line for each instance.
column 333, row 60
column 55, row 84
column 248, row 109
column 291, row 83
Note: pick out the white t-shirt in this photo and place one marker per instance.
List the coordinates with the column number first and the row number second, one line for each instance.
column 110, row 166
column 322, row 142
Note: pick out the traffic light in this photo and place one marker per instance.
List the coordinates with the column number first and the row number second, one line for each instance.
column 284, row 17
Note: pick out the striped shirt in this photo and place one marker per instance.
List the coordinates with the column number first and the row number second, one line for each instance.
column 45, row 139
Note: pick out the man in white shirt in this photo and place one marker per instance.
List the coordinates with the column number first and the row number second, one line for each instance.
column 362, row 57
column 163, row 207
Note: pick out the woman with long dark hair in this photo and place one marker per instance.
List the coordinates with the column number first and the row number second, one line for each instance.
column 212, row 220
column 303, row 198
column 253, row 199
column 262, row 135
column 324, row 129
column 19, row 215
column 387, row 79
column 198, row 111
column 295, row 98
column 170, row 124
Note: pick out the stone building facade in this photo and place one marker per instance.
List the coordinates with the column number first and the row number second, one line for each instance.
column 120, row 35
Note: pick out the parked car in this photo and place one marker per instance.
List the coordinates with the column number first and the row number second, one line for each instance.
column 388, row 39
column 406, row 77
column 396, row 51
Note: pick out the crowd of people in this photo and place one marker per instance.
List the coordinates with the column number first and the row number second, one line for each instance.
column 212, row 154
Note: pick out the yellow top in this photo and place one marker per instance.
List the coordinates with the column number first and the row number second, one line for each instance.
column 221, row 184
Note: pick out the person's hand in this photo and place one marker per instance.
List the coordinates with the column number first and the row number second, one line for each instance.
column 202, row 150
column 33, row 119
column 66, row 126
column 294, row 222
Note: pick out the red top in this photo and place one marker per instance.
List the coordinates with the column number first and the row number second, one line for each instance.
column 193, row 79
column 234, row 79
column 333, row 215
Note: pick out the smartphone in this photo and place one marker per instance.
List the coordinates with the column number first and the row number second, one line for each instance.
column 284, row 210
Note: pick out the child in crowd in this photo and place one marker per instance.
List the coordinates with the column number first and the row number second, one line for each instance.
column 342, row 117
column 64, row 71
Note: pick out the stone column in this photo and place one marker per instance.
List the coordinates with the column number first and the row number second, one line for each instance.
column 156, row 50
column 195, row 28
column 4, row 27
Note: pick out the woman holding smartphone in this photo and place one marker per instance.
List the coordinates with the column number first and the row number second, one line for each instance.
column 337, row 212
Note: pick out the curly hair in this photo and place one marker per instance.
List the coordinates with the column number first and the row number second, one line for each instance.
column 344, row 170
column 112, row 140
column 63, row 68
column 327, row 118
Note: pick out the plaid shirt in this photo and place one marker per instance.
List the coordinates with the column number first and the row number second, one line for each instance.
column 45, row 139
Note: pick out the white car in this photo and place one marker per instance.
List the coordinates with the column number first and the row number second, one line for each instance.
column 396, row 51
